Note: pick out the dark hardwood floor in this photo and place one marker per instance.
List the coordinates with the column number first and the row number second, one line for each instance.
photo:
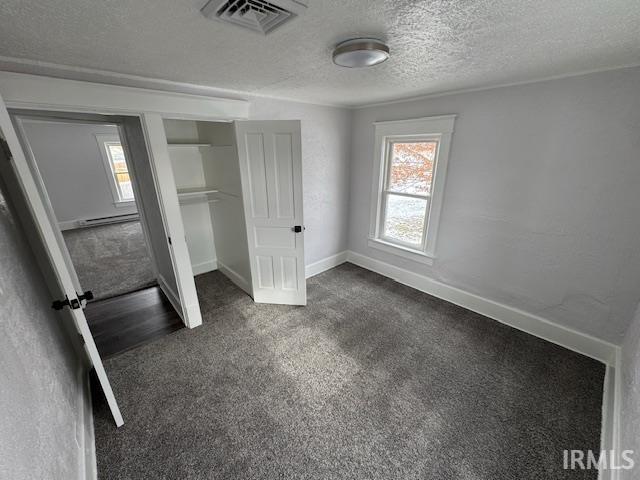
column 127, row 321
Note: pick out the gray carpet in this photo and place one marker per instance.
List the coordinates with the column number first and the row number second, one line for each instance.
column 372, row 380
column 110, row 259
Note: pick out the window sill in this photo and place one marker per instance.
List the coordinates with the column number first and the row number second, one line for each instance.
column 127, row 203
column 415, row 255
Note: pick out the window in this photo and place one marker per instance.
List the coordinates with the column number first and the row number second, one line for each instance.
column 116, row 169
column 408, row 182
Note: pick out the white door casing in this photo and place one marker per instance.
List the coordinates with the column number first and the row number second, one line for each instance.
column 270, row 159
column 50, row 243
column 161, row 169
column 34, row 92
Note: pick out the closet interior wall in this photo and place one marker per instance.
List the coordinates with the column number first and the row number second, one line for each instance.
column 207, row 175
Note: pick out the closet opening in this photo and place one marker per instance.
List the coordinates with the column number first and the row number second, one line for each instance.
column 207, row 178
column 87, row 167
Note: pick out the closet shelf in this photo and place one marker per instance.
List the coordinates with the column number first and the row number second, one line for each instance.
column 195, row 200
column 188, row 145
column 192, row 192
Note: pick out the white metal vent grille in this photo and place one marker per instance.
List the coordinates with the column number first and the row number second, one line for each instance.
column 257, row 15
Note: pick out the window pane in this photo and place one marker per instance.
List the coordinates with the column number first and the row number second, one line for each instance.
column 412, row 167
column 126, row 190
column 124, row 185
column 120, row 171
column 117, row 158
column 404, row 219
column 116, row 151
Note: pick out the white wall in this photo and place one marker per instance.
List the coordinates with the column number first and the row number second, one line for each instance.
column 542, row 203
column 229, row 225
column 325, row 170
column 189, row 172
column 71, row 165
column 39, row 381
column 631, row 395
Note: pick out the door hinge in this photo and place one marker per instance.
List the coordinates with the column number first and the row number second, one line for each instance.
column 74, row 303
column 298, row 228
column 88, row 295
column 169, row 239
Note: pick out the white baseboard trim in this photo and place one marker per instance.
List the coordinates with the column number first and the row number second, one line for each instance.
column 68, row 225
column 94, row 222
column 611, row 418
column 190, row 314
column 204, row 267
column 235, row 277
column 85, row 436
column 579, row 342
column 194, row 315
column 325, row 264
column 616, row 428
column 173, row 297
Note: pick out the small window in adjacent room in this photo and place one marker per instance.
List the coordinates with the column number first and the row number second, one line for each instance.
column 116, row 168
column 411, row 160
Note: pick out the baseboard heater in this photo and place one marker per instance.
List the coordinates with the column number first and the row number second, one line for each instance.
column 92, row 222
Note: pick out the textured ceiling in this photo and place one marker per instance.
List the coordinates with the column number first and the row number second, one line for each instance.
column 436, row 46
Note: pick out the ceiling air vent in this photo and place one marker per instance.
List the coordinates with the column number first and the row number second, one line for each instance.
column 257, row 15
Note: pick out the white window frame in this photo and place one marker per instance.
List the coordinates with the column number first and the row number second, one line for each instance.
column 425, row 129
column 103, row 141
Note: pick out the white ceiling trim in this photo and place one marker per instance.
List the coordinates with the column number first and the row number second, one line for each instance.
column 447, row 93
column 90, row 75
column 84, row 74
column 45, row 93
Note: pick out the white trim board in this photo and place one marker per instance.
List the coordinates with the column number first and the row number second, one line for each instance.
column 68, row 225
column 204, row 267
column 325, row 264
column 611, row 417
column 27, row 66
column 189, row 311
column 85, row 436
column 171, row 295
column 94, row 75
column 235, row 277
column 600, row 350
column 46, row 93
column 612, row 423
column 89, row 441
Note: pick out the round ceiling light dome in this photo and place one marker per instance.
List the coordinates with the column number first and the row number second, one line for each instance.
column 360, row 52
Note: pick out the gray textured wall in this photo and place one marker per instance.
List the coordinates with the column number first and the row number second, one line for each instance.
column 326, row 144
column 631, row 395
column 39, row 399
column 541, row 203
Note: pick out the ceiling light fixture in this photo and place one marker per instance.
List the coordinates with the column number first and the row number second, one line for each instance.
column 360, row 52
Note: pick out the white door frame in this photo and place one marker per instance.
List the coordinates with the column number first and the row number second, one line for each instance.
column 33, row 92
column 162, row 171
column 18, row 118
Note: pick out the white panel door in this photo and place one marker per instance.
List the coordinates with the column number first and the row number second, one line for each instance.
column 271, row 173
column 59, row 279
